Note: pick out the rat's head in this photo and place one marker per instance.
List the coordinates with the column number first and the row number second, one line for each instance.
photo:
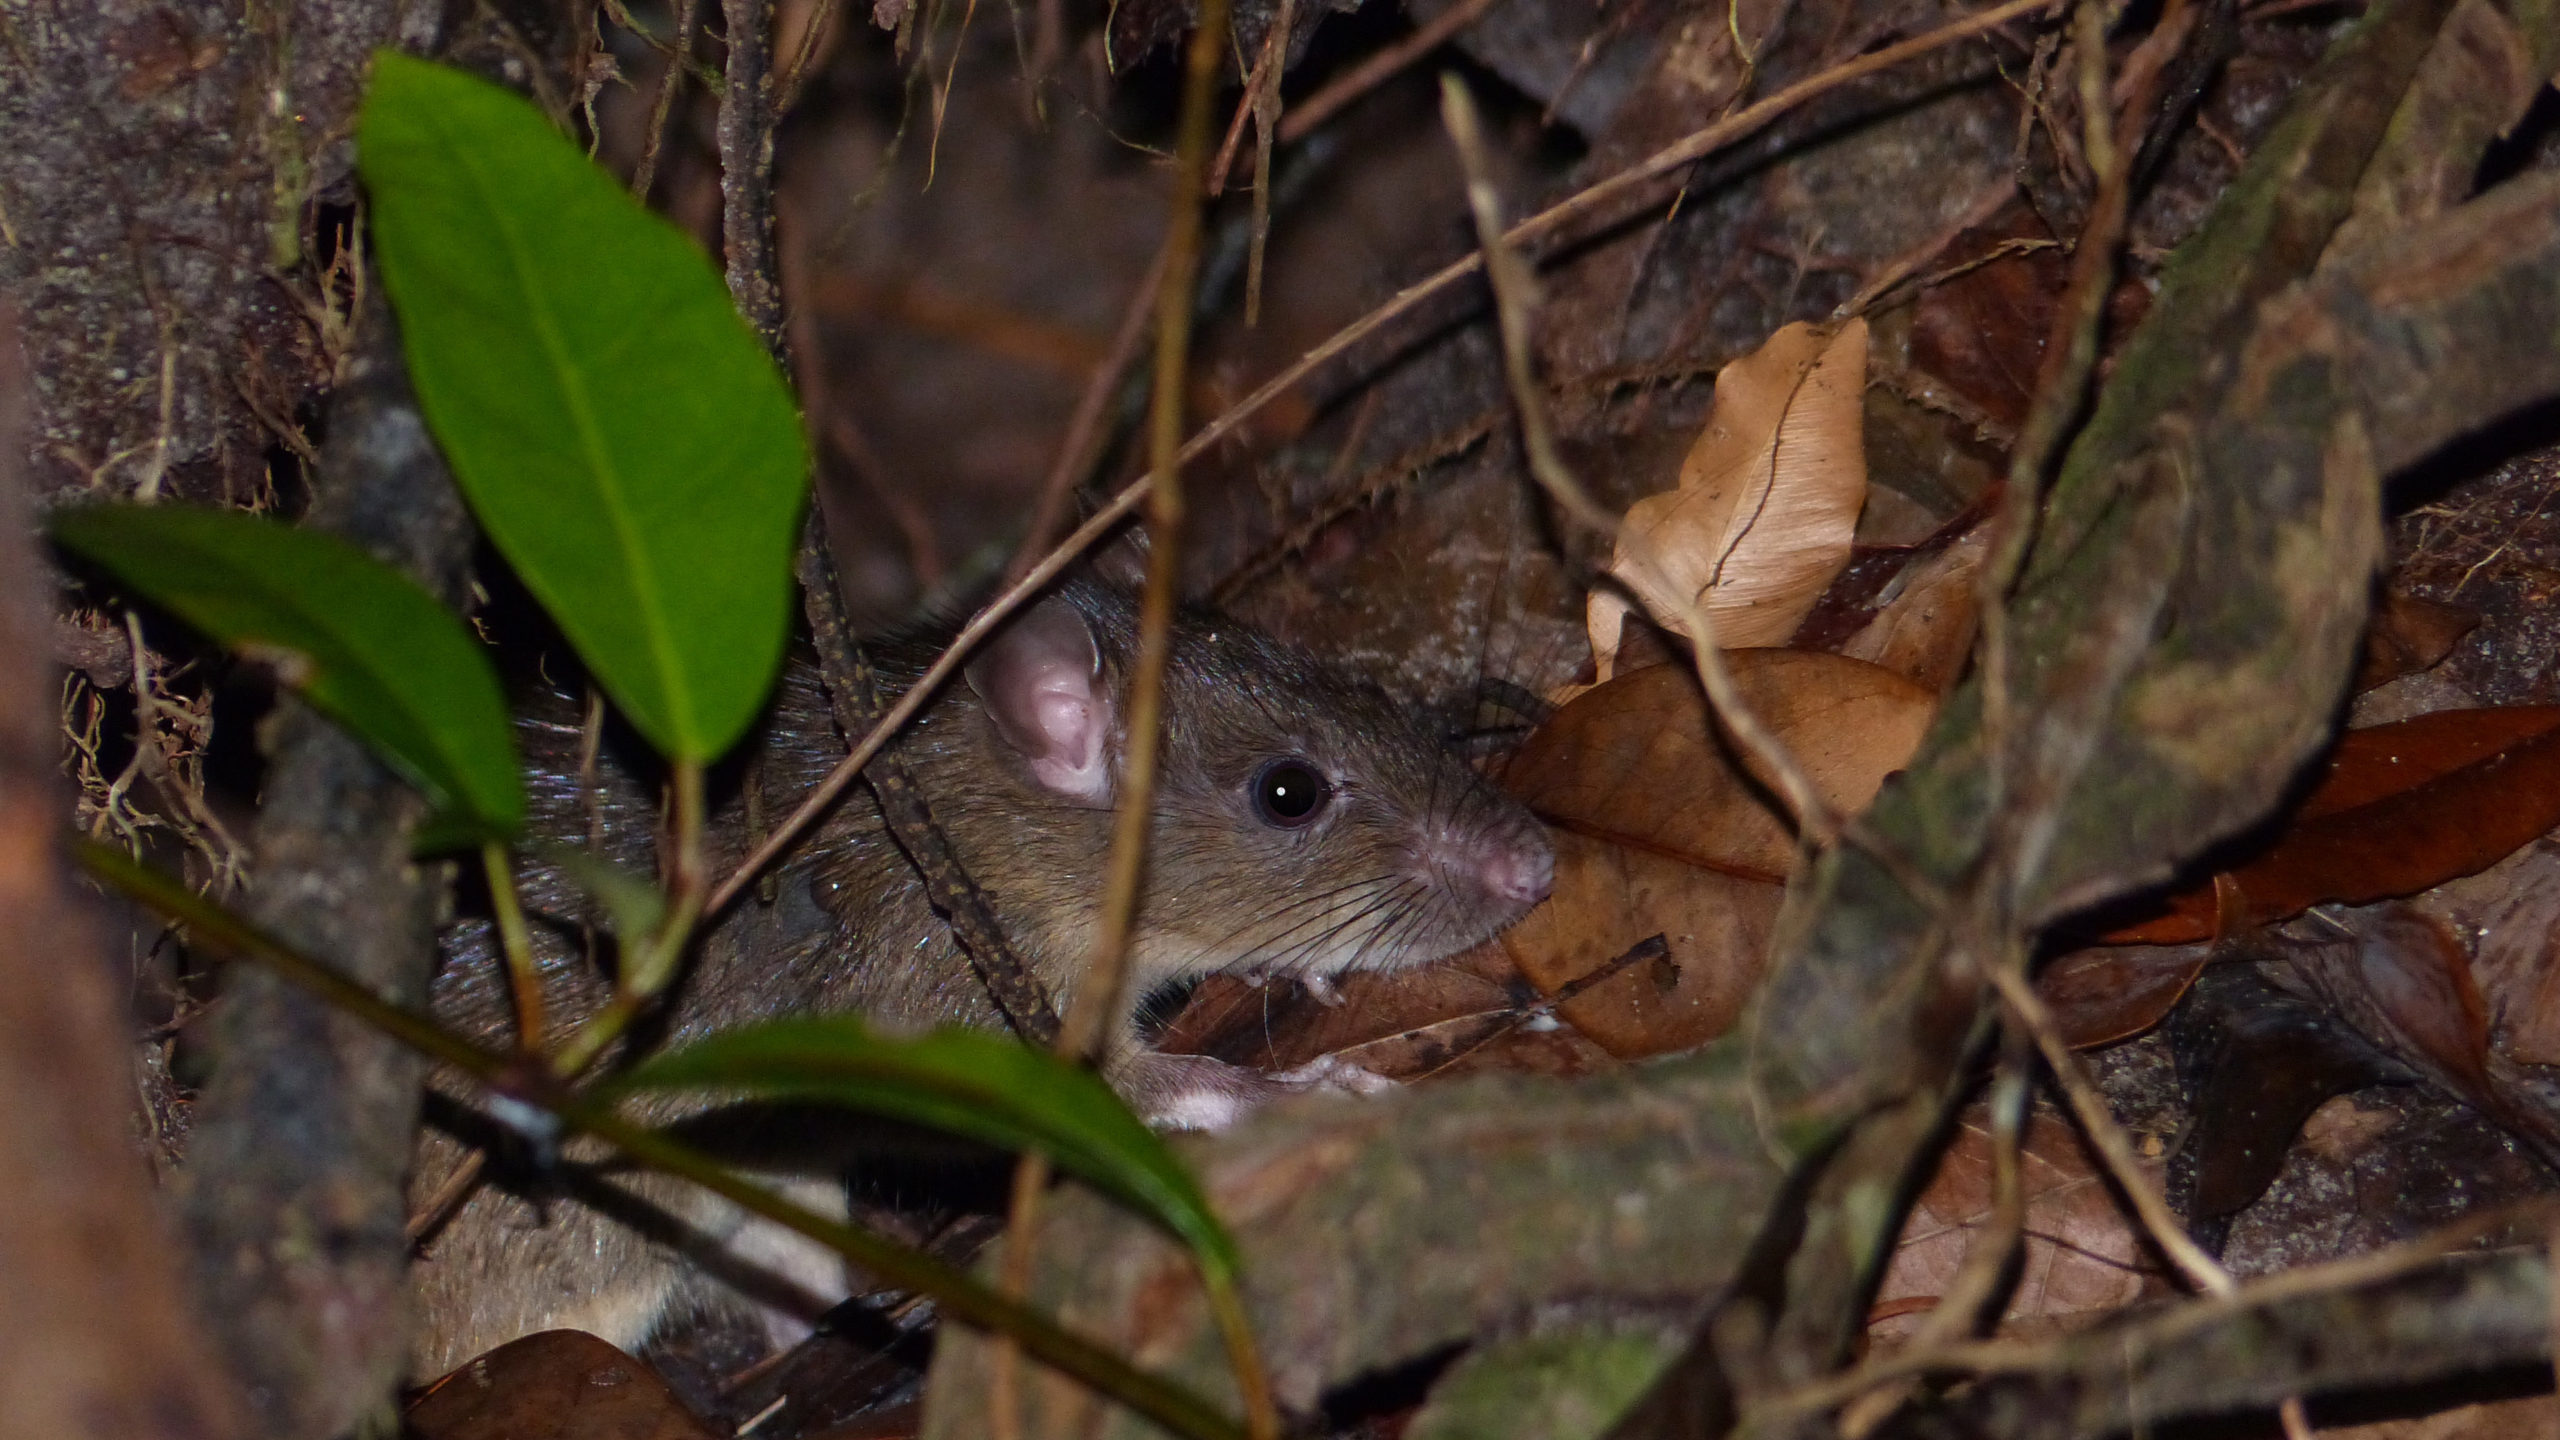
column 1305, row 823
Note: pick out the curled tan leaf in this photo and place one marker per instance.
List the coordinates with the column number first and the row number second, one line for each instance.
column 1767, row 503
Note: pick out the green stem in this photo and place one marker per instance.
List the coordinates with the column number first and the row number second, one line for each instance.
column 650, row 966
column 517, row 943
column 960, row 1296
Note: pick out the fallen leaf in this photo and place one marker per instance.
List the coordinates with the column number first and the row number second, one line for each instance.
column 2108, row 993
column 2403, row 979
column 1924, row 632
column 2514, row 910
column 2257, row 1062
column 2408, row 634
column 1658, row 831
column 2340, row 1130
column 2403, row 808
column 557, row 1385
column 2082, row 1256
column 1609, row 897
column 1767, row 503
column 1635, row 762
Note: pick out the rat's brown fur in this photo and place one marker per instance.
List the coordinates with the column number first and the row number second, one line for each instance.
column 1387, row 879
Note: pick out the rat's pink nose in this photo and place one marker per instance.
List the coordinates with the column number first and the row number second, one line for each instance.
column 1521, row 873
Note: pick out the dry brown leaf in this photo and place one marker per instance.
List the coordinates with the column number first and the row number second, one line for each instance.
column 1924, row 633
column 1658, row 832
column 2108, row 993
column 1637, row 763
column 1609, row 897
column 2409, row 633
column 2082, row 1256
column 1767, row 503
column 2513, row 909
column 557, row 1385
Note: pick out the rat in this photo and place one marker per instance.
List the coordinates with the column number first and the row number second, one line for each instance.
column 1306, row 824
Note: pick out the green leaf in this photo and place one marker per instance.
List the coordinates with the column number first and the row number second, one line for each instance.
column 621, row 434
column 361, row 641
column 633, row 906
column 967, row 1082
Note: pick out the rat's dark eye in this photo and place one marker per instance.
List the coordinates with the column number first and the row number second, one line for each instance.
column 1289, row 793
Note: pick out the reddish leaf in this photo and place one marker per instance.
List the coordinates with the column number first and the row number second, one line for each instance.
column 2110, row 992
column 2403, row 808
column 2408, row 634
column 558, row 1385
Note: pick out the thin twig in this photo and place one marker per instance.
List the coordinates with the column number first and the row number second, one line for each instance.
column 1265, row 102
column 2027, row 1010
column 515, row 942
column 788, row 92
column 644, row 178
column 1017, row 992
column 448, row 1199
column 1598, row 199
column 1338, row 94
column 1512, row 299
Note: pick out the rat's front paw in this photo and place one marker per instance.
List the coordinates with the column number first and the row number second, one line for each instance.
column 1195, row 1092
column 1335, row 1074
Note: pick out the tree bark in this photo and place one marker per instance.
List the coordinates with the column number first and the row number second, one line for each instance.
column 96, row 1335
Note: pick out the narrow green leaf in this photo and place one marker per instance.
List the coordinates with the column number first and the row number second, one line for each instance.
column 620, row 433
column 983, row 1086
column 361, row 641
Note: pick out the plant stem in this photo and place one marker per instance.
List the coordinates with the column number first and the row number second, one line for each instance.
column 516, row 942
column 650, row 965
column 961, row 1296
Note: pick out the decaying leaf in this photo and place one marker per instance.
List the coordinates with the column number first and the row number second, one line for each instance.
column 2410, row 633
column 2513, row 909
column 1767, row 503
column 2257, row 1062
column 2403, row 980
column 2402, row 808
column 2082, row 1256
column 1924, row 632
column 1658, row 831
column 2108, row 993
column 558, row 1385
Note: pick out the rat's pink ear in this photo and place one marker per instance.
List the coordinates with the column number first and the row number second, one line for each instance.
column 1041, row 679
